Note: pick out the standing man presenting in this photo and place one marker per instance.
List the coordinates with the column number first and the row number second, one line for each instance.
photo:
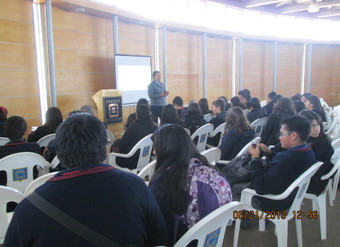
column 157, row 94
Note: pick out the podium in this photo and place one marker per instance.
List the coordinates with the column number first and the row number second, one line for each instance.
column 109, row 105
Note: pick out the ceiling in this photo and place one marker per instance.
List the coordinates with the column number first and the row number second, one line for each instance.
column 325, row 9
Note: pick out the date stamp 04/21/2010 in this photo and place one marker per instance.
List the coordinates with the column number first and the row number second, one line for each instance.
column 282, row 214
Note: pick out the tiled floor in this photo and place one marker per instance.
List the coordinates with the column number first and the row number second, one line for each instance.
column 310, row 231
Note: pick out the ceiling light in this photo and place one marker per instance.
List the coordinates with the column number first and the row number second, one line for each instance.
column 313, row 7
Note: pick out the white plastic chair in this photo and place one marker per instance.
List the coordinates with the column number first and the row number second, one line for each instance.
column 202, row 133
column 258, row 125
column 19, row 168
column 3, row 141
column 55, row 162
column 334, row 185
column 145, row 147
column 333, row 131
column 7, row 195
column 210, row 230
column 219, row 129
column 44, row 141
column 263, row 103
column 208, row 117
column 319, row 202
column 147, row 172
column 38, row 182
column 281, row 225
column 336, row 143
column 213, row 155
column 110, row 136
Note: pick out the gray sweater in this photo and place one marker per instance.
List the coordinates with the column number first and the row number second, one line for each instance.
column 155, row 89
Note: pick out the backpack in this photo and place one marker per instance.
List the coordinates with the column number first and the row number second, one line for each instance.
column 238, row 169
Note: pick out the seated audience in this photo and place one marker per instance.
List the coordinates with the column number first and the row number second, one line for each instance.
column 255, row 110
column 296, row 97
column 3, row 117
column 305, row 96
column 53, row 120
column 285, row 167
column 299, row 106
column 283, row 109
column 15, row 128
column 238, row 133
column 169, row 115
column 117, row 206
column 313, row 103
column 203, row 103
column 185, row 186
column 140, row 128
column 227, row 105
column 269, row 106
column 244, row 96
column 133, row 116
column 194, row 118
column 235, row 101
column 323, row 151
column 218, row 109
column 178, row 103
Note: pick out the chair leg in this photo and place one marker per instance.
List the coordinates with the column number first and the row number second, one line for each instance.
column 282, row 233
column 237, row 232
column 330, row 195
column 298, row 232
column 262, row 225
column 322, row 216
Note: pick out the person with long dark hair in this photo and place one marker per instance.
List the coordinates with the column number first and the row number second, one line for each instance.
column 235, row 101
column 170, row 115
column 282, row 109
column 313, row 103
column 185, row 186
column 140, row 128
column 53, row 120
column 3, row 118
column 238, row 133
column 194, row 118
column 255, row 110
column 322, row 148
column 203, row 103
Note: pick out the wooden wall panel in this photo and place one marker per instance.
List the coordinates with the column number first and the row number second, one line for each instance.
column 289, row 65
column 19, row 92
column 257, row 74
column 219, row 55
column 184, row 66
column 325, row 77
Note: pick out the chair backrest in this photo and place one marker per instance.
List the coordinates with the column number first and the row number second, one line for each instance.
column 147, row 172
column 263, row 103
column 44, row 141
column 202, row 133
column 3, row 140
column 55, row 162
column 145, row 146
column 208, row 117
column 38, row 182
column 336, row 143
column 213, row 155
column 19, row 168
column 110, row 136
column 245, row 149
column 210, row 230
column 259, row 125
column 7, row 195
column 333, row 128
column 301, row 183
column 219, row 129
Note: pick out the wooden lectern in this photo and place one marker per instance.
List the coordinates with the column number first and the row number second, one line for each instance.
column 109, row 105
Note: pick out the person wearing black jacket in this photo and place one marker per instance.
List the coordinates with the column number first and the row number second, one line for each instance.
column 285, row 167
column 255, row 111
column 218, row 109
column 194, row 118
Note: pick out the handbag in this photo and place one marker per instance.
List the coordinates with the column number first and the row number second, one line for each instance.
column 238, row 169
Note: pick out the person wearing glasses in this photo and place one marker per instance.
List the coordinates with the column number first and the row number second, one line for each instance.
column 285, row 167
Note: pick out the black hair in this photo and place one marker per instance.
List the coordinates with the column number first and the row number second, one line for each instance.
column 53, row 119
column 298, row 124
column 284, row 105
column 177, row 101
column 276, row 98
column 255, row 103
column 223, row 98
column 15, row 128
column 316, row 102
column 296, row 97
column 220, row 103
column 170, row 115
column 155, row 73
column 80, row 141
column 143, row 112
column 75, row 112
column 194, row 108
column 299, row 105
column 235, row 101
column 142, row 101
column 271, row 95
column 203, row 103
column 174, row 149
column 310, row 116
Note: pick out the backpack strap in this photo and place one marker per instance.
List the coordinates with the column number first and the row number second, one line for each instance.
column 70, row 223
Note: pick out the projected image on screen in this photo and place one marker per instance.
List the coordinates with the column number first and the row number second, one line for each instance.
column 133, row 75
